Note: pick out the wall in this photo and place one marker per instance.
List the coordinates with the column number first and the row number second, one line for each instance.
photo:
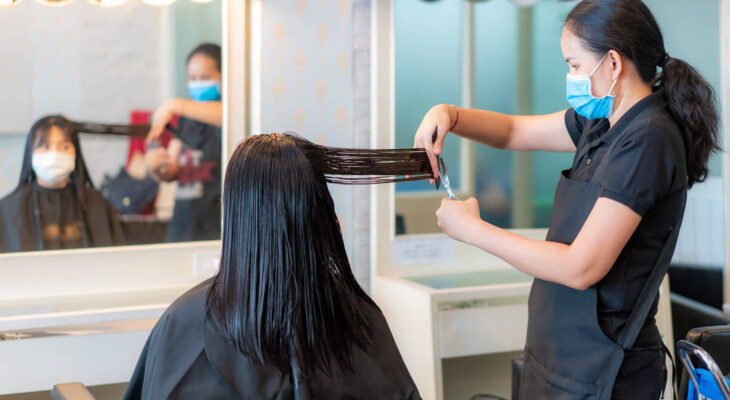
column 95, row 64
column 63, row 63
column 193, row 24
column 691, row 32
column 496, row 41
column 62, row 57
column 427, row 72
column 308, row 87
column 548, row 80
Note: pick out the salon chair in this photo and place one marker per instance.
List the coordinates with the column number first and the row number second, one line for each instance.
column 688, row 314
column 70, row 391
column 716, row 341
column 517, row 364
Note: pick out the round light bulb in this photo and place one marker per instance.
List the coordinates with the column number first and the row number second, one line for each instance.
column 55, row 3
column 107, row 3
column 8, row 3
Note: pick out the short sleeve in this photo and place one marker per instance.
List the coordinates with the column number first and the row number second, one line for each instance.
column 575, row 124
column 641, row 170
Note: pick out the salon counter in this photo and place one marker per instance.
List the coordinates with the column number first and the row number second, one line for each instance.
column 66, row 318
column 99, row 345
column 458, row 323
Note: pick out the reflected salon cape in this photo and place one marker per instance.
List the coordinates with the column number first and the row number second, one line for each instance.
column 22, row 229
column 188, row 356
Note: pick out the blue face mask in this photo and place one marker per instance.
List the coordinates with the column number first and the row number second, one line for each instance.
column 205, row 90
column 580, row 96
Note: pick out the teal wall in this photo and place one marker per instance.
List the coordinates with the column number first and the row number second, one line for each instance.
column 427, row 72
column 691, row 31
column 496, row 39
column 194, row 23
column 548, row 77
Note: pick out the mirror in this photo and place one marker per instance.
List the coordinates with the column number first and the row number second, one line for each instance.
column 498, row 56
column 107, row 70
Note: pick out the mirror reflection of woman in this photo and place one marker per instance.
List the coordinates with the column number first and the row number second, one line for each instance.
column 192, row 159
column 284, row 318
column 643, row 125
column 55, row 205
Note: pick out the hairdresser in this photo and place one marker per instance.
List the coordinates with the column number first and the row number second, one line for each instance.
column 642, row 125
column 193, row 156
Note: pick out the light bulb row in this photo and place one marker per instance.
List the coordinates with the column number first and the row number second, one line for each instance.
column 102, row 3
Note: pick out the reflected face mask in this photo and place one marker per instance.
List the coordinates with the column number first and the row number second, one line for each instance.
column 53, row 166
column 580, row 96
column 205, row 90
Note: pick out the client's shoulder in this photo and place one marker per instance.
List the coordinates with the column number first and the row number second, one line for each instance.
column 186, row 314
column 17, row 196
column 192, row 301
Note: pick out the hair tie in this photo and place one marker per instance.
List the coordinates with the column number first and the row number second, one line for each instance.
column 664, row 60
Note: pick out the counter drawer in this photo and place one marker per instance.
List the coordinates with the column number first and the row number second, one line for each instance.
column 470, row 328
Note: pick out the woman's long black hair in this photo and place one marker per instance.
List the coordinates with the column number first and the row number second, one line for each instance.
column 285, row 292
column 628, row 27
column 79, row 178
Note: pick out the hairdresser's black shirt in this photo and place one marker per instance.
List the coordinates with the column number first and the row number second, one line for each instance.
column 645, row 168
column 197, row 213
column 36, row 218
column 188, row 356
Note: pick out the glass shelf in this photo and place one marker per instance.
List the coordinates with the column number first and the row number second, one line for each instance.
column 471, row 279
column 90, row 301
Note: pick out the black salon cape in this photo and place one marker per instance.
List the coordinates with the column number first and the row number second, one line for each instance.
column 22, row 230
column 187, row 356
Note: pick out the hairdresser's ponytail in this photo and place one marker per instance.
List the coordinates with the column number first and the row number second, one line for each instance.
column 628, row 27
column 694, row 107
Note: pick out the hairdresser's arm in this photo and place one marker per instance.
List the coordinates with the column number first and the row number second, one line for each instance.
column 523, row 133
column 164, row 164
column 209, row 112
column 578, row 265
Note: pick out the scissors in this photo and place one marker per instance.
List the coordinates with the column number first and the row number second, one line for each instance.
column 443, row 175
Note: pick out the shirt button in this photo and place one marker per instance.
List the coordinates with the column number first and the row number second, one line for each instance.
column 589, row 161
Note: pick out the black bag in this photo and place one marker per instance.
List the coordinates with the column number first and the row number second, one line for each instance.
column 130, row 196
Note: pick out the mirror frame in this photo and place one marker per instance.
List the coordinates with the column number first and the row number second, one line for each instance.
column 724, row 95
column 41, row 273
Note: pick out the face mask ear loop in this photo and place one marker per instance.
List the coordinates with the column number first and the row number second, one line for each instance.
column 596, row 69
column 611, row 89
column 598, row 65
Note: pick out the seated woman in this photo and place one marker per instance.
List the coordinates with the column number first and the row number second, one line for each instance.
column 284, row 318
column 55, row 205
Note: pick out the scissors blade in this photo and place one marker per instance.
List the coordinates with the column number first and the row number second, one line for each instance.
column 444, row 175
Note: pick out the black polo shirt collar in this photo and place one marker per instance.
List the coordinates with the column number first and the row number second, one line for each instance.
column 602, row 132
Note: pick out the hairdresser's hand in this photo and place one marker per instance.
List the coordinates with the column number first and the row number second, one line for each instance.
column 161, row 117
column 442, row 117
column 155, row 158
column 458, row 219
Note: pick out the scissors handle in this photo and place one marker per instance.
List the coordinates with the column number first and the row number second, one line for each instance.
column 433, row 140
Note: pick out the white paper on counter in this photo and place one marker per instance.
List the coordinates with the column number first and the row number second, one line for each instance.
column 419, row 251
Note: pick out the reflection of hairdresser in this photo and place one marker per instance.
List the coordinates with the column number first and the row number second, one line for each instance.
column 284, row 318
column 193, row 158
column 55, row 205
